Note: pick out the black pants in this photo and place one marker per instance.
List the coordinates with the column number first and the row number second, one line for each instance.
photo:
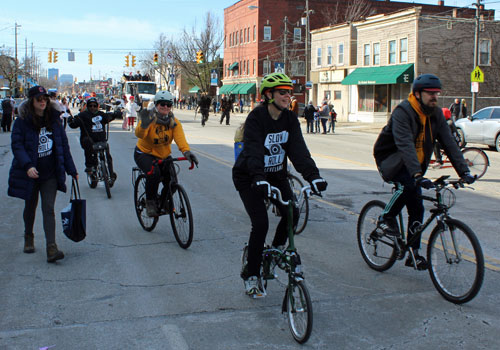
column 323, row 124
column 145, row 162
column 256, row 210
column 408, row 194
column 91, row 158
column 47, row 190
column 6, row 121
column 226, row 115
column 310, row 125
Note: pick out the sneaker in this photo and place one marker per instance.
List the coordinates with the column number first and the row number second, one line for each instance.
column 389, row 226
column 420, row 260
column 53, row 254
column 151, row 208
column 253, row 287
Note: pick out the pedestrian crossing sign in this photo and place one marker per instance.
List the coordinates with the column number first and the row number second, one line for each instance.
column 477, row 75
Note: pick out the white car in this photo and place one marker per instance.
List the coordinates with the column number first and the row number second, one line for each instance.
column 482, row 127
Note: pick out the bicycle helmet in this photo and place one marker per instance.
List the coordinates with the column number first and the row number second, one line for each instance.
column 94, row 100
column 164, row 95
column 427, row 82
column 275, row 81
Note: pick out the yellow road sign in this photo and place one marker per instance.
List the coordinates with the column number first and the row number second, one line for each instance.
column 477, row 75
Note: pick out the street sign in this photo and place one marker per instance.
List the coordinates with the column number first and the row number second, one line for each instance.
column 169, row 57
column 474, row 87
column 213, row 77
column 279, row 67
column 309, row 84
column 477, row 75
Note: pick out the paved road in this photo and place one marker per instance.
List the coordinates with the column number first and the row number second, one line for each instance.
column 124, row 288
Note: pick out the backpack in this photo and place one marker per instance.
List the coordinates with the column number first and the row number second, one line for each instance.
column 238, row 140
column 333, row 114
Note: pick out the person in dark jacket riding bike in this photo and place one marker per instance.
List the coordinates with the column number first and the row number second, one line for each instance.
column 403, row 150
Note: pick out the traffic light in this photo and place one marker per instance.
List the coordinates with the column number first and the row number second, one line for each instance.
column 127, row 62
column 90, row 57
column 133, row 61
column 55, row 56
column 155, row 59
column 50, row 56
column 200, row 57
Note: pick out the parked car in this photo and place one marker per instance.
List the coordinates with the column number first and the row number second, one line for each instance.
column 482, row 127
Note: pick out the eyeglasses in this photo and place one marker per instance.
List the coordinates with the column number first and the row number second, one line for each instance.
column 163, row 104
column 41, row 99
column 432, row 93
column 283, row 92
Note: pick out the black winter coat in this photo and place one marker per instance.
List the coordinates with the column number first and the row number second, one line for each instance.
column 92, row 125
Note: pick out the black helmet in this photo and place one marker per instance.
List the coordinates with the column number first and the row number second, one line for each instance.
column 92, row 99
column 427, row 82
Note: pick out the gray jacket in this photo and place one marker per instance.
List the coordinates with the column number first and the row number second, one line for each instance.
column 395, row 146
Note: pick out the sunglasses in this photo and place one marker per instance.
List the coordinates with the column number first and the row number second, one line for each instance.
column 92, row 105
column 42, row 98
column 163, row 104
column 284, row 92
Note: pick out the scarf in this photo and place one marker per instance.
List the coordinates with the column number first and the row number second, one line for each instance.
column 419, row 143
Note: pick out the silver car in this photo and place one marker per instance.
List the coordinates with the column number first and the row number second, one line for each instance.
column 482, row 127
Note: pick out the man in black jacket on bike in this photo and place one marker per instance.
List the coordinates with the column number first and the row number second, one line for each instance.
column 403, row 151
column 92, row 129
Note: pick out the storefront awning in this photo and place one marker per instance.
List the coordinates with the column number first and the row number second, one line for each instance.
column 245, row 89
column 233, row 66
column 397, row 74
column 227, row 88
column 194, row 90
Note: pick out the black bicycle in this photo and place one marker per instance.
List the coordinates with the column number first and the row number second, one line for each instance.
column 101, row 172
column 172, row 199
column 454, row 256
column 296, row 302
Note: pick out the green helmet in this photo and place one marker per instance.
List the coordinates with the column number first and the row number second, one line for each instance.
column 275, row 81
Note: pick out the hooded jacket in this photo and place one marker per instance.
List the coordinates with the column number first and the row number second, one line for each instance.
column 395, row 145
column 92, row 125
column 25, row 142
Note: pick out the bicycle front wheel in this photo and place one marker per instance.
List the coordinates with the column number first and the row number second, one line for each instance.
column 105, row 177
column 181, row 217
column 299, row 311
column 378, row 251
column 477, row 161
column 302, row 205
column 456, row 262
column 147, row 223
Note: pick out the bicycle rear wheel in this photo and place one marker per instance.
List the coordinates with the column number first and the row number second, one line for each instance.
column 105, row 176
column 299, row 311
column 147, row 223
column 378, row 251
column 181, row 217
column 477, row 161
column 91, row 180
column 303, row 205
column 456, row 262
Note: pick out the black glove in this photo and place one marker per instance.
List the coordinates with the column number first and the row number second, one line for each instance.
column 191, row 157
column 424, row 182
column 263, row 188
column 319, row 185
column 468, row 178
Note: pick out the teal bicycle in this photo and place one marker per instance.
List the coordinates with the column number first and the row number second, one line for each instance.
column 297, row 302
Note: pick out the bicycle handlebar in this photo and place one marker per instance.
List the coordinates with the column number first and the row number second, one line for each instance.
column 159, row 162
column 276, row 193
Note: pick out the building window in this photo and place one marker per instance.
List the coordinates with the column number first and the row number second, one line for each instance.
column 248, row 67
column 327, row 94
column 337, row 95
column 266, row 67
column 329, row 56
column 243, row 68
column 245, row 35
column 403, row 50
column 254, row 32
column 376, row 54
column 297, row 34
column 340, row 58
column 242, row 40
column 253, row 71
column 380, row 98
column 365, row 102
column 485, row 52
column 392, row 51
column 248, row 34
column 267, row 32
column 366, row 55
column 297, row 68
column 235, row 37
column 318, row 57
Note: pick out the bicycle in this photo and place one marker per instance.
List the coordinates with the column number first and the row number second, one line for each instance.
column 300, row 200
column 101, row 172
column 476, row 159
column 454, row 256
column 172, row 199
column 296, row 301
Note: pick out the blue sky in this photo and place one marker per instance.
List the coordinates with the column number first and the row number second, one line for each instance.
column 111, row 29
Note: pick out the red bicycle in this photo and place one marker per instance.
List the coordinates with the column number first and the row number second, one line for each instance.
column 476, row 159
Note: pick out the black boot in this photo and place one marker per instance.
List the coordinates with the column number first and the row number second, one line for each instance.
column 53, row 254
column 29, row 244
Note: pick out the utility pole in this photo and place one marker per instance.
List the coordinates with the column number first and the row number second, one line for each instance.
column 284, row 43
column 307, row 50
column 476, row 50
column 15, row 58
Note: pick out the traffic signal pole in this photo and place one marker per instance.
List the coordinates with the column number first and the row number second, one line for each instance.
column 476, row 51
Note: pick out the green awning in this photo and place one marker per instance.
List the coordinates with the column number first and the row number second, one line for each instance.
column 194, row 90
column 227, row 88
column 233, row 66
column 397, row 74
column 245, row 89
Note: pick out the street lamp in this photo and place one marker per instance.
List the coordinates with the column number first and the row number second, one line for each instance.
column 305, row 21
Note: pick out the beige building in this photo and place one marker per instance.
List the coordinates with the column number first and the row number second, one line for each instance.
column 365, row 69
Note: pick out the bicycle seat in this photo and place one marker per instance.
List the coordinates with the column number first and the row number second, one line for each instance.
column 99, row 146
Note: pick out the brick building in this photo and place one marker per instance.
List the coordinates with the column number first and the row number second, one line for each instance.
column 264, row 36
column 366, row 68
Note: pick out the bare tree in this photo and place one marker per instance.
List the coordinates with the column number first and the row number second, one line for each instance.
column 8, row 68
column 347, row 11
